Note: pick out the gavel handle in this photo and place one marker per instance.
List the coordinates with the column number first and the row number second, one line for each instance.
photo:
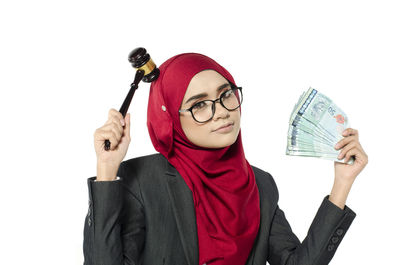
column 125, row 106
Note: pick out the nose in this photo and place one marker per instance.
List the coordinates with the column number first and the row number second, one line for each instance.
column 220, row 111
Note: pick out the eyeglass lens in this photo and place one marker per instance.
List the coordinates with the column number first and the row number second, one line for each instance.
column 202, row 111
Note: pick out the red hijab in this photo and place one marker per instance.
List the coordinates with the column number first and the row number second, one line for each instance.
column 222, row 181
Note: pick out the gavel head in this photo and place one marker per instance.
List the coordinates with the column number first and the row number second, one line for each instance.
column 140, row 59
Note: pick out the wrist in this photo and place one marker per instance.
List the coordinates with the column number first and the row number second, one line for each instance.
column 343, row 183
column 339, row 193
column 106, row 172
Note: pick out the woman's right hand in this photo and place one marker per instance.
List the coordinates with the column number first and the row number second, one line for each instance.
column 119, row 138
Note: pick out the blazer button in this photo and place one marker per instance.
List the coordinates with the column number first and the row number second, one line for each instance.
column 89, row 222
column 335, row 239
column 88, row 212
column 331, row 247
column 339, row 231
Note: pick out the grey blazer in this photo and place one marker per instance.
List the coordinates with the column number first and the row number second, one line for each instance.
column 148, row 217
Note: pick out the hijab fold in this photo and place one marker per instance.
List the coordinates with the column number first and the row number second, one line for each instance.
column 222, row 182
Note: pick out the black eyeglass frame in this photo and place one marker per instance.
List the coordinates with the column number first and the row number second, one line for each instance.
column 233, row 87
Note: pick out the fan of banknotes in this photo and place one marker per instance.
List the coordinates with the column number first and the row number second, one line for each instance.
column 315, row 126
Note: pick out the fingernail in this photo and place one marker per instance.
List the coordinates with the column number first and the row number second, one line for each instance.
column 336, row 146
column 122, row 122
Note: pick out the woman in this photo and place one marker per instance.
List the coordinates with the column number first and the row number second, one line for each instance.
column 199, row 201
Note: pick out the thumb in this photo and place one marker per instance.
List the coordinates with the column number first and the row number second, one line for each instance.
column 128, row 123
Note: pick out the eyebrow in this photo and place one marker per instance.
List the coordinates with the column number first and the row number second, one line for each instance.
column 202, row 95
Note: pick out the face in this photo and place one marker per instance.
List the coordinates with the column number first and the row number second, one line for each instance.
column 205, row 134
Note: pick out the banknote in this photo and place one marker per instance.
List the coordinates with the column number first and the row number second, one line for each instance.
column 315, row 126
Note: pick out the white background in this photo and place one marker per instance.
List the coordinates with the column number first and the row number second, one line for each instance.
column 64, row 65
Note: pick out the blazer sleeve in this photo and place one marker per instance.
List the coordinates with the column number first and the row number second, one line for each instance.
column 327, row 230
column 114, row 229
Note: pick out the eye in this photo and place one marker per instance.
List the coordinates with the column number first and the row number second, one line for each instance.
column 199, row 105
column 228, row 93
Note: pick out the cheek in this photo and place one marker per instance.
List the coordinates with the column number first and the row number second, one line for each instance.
column 186, row 125
column 237, row 121
column 199, row 129
column 192, row 129
column 236, row 116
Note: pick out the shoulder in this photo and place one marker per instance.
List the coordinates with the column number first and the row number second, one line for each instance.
column 154, row 161
column 144, row 167
column 266, row 183
column 142, row 171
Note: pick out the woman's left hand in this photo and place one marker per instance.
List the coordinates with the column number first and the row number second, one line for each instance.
column 351, row 147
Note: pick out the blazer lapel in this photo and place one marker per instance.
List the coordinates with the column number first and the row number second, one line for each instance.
column 185, row 215
column 184, row 212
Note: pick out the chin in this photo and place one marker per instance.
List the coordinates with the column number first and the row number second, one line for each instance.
column 215, row 140
column 225, row 140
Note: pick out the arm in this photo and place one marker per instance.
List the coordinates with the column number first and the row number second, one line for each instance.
column 114, row 226
column 332, row 219
column 345, row 174
column 327, row 230
column 339, row 193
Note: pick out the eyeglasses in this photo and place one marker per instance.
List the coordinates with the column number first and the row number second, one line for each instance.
column 204, row 111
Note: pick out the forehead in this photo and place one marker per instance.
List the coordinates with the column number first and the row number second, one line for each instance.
column 206, row 80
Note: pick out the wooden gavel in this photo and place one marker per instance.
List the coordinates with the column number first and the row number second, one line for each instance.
column 146, row 71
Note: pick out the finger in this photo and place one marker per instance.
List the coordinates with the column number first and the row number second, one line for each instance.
column 127, row 129
column 115, row 113
column 345, row 141
column 115, row 126
column 115, row 119
column 117, row 129
column 354, row 152
column 363, row 152
column 102, row 135
column 118, row 125
column 350, row 131
column 113, row 139
column 346, row 149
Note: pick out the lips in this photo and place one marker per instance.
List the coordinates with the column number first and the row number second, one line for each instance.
column 225, row 125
